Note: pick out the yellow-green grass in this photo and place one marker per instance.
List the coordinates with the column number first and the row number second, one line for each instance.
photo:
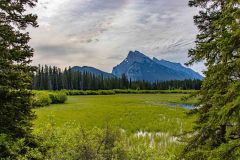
column 149, row 126
column 130, row 112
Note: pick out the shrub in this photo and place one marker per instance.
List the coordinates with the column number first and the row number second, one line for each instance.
column 58, row 97
column 124, row 91
column 74, row 92
column 45, row 98
column 19, row 148
column 73, row 142
column 106, row 92
column 41, row 98
column 89, row 92
column 121, row 91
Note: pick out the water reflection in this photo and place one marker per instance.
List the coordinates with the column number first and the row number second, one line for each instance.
column 186, row 106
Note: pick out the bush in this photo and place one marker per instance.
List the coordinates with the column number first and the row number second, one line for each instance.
column 58, row 97
column 89, row 92
column 45, row 98
column 20, row 148
column 124, row 91
column 106, row 92
column 41, row 99
column 74, row 92
column 73, row 142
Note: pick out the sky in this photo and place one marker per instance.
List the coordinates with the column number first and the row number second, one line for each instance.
column 100, row 33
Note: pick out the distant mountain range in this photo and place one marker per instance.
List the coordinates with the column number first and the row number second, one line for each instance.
column 138, row 66
column 92, row 70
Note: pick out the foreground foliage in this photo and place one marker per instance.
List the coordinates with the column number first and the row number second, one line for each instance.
column 74, row 142
column 217, row 135
column 15, row 77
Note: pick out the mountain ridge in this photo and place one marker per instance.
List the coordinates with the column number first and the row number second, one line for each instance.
column 138, row 66
column 92, row 70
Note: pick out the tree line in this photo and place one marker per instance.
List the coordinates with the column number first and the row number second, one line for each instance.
column 53, row 78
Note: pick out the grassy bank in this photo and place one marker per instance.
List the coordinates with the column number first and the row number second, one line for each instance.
column 125, row 91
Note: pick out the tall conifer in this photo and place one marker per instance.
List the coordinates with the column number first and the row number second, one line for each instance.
column 15, row 77
column 217, row 135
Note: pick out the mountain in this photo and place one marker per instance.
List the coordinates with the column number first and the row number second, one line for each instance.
column 92, row 70
column 138, row 66
column 179, row 68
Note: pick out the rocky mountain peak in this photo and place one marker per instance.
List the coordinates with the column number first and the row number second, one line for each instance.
column 138, row 66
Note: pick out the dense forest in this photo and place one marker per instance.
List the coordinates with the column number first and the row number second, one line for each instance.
column 53, row 78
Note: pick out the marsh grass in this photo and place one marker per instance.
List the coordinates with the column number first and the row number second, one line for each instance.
column 149, row 128
column 146, row 112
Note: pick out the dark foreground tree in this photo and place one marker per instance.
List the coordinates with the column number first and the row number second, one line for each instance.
column 217, row 135
column 15, row 78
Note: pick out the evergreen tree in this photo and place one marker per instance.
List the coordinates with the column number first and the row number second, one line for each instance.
column 217, row 135
column 15, row 77
column 125, row 81
column 52, row 78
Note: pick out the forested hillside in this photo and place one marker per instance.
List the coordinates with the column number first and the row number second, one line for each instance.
column 53, row 78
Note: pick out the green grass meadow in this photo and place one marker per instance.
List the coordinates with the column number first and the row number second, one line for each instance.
column 131, row 112
column 151, row 127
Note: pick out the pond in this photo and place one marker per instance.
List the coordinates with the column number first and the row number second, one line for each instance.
column 186, row 106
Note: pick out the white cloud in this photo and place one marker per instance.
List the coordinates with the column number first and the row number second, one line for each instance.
column 100, row 33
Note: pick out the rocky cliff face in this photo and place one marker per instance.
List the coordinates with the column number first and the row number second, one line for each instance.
column 137, row 66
